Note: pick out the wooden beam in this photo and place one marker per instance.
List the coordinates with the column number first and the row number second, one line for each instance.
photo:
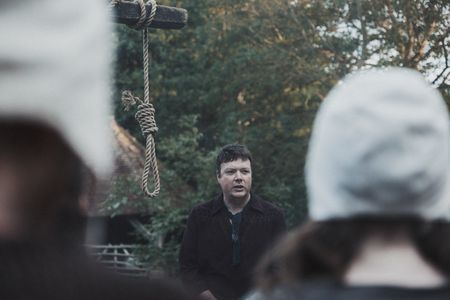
column 166, row 17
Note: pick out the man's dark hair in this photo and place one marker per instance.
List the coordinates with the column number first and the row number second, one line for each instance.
column 232, row 152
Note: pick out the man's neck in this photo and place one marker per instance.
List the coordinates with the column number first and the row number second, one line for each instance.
column 236, row 205
column 392, row 263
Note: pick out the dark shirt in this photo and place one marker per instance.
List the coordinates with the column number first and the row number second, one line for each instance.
column 333, row 291
column 206, row 254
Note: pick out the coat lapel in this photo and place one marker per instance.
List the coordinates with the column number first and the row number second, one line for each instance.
column 252, row 208
column 220, row 212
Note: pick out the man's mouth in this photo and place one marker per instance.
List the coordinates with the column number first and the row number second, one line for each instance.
column 238, row 187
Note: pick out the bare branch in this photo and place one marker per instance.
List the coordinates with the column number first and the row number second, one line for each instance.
column 446, row 65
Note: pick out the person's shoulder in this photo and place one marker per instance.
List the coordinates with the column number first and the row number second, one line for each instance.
column 268, row 206
column 279, row 293
column 325, row 290
column 121, row 287
column 295, row 291
column 204, row 207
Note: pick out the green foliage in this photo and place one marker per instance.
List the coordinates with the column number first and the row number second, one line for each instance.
column 161, row 238
column 255, row 72
column 124, row 195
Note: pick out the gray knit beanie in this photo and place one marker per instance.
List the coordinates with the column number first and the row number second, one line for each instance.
column 55, row 63
column 380, row 146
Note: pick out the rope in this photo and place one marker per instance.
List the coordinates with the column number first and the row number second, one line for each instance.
column 145, row 114
column 144, row 20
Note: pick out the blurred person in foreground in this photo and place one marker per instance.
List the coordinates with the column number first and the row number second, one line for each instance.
column 54, row 138
column 227, row 235
column 377, row 176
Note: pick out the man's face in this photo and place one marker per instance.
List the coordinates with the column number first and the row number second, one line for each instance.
column 235, row 179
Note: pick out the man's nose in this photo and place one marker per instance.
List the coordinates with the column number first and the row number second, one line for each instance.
column 238, row 176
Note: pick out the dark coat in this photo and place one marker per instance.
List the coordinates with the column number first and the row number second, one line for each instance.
column 206, row 251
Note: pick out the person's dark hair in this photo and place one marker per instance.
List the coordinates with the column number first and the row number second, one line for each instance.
column 324, row 250
column 51, row 181
column 232, row 152
column 49, row 260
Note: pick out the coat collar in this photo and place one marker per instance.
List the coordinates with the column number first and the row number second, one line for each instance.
column 254, row 203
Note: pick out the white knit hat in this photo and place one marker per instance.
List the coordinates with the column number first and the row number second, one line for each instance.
column 380, row 146
column 54, row 68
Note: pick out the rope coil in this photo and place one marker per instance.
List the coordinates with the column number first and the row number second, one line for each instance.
column 146, row 118
column 145, row 114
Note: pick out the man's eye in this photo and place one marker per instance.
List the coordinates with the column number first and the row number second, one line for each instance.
column 245, row 171
column 230, row 172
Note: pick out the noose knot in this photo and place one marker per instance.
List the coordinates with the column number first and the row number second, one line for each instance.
column 146, row 118
column 145, row 114
column 128, row 100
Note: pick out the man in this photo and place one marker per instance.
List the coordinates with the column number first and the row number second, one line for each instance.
column 225, row 237
column 378, row 180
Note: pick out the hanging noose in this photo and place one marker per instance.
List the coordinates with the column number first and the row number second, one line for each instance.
column 145, row 114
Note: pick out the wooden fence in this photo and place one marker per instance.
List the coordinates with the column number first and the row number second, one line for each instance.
column 120, row 258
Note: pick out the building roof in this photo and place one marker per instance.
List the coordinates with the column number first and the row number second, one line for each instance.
column 120, row 193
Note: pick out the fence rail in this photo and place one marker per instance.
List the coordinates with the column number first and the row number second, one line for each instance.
column 120, row 258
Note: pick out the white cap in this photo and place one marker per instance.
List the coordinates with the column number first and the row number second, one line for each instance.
column 380, row 146
column 55, row 60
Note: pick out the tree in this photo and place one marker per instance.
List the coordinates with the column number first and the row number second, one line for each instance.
column 256, row 71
